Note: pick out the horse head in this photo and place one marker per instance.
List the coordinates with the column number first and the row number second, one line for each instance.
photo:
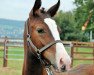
column 43, row 30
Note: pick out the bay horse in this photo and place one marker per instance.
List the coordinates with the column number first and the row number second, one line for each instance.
column 42, row 45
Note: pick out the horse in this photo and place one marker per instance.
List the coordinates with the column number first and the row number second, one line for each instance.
column 43, row 47
column 82, row 69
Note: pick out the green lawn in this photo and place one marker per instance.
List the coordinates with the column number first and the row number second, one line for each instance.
column 17, row 53
column 15, row 66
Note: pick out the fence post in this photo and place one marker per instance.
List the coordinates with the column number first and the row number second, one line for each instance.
column 72, row 56
column 5, row 57
column 93, row 53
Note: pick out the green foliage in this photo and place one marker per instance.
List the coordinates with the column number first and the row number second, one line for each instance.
column 71, row 22
column 84, row 9
column 65, row 21
column 70, row 31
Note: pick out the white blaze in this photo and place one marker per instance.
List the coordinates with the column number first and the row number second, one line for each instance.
column 60, row 50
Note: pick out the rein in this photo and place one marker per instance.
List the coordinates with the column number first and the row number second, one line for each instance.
column 39, row 51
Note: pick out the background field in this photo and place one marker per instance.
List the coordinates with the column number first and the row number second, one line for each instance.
column 15, row 66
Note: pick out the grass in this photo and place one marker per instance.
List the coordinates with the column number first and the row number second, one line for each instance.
column 15, row 67
column 16, row 53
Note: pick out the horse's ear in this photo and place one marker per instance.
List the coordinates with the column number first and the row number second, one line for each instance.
column 52, row 11
column 36, row 6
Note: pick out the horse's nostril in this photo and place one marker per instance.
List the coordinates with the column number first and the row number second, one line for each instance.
column 61, row 62
column 63, row 68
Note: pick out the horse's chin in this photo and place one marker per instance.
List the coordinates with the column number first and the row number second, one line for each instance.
column 55, row 69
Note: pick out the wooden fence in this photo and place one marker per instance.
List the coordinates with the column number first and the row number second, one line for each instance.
column 7, row 42
column 1, row 48
column 76, row 45
column 13, row 43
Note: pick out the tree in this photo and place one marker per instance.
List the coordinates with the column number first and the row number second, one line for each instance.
column 84, row 15
column 66, row 21
column 85, row 9
column 71, row 22
column 70, row 30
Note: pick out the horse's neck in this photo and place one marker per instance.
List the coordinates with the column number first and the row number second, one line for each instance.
column 33, row 66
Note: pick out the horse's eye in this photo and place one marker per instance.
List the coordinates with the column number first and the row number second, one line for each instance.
column 40, row 31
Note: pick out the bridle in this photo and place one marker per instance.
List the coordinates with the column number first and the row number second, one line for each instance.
column 39, row 51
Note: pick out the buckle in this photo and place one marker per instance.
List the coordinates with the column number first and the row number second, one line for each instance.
column 39, row 55
column 28, row 35
column 49, row 71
